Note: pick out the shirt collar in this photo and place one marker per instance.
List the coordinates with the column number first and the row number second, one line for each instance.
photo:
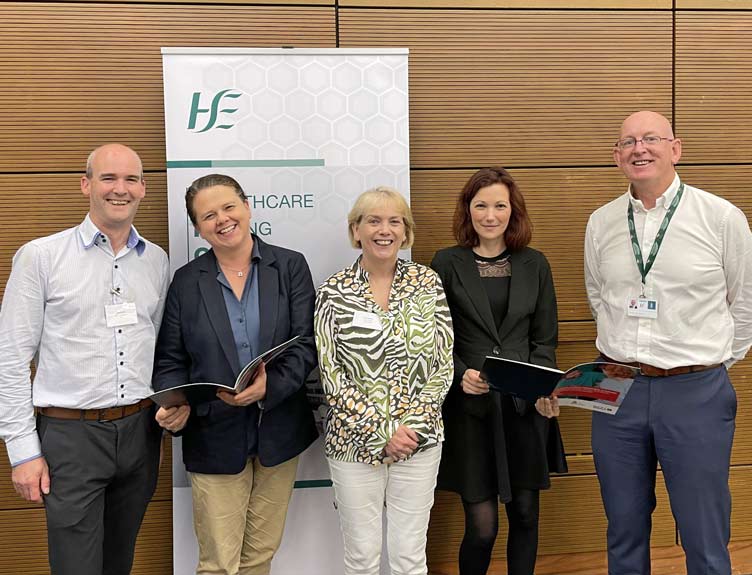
column 663, row 201
column 255, row 252
column 89, row 234
column 255, row 258
column 361, row 275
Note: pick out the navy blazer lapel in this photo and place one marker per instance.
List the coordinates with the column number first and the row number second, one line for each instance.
column 211, row 293
column 467, row 272
column 518, row 286
column 268, row 278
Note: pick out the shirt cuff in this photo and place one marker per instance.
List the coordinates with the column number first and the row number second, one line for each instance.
column 23, row 449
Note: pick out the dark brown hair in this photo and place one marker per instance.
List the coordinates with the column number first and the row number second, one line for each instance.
column 208, row 182
column 520, row 229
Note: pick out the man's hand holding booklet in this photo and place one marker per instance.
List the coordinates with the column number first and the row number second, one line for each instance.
column 598, row 386
column 203, row 391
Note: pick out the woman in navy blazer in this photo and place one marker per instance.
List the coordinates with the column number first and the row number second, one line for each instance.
column 234, row 302
column 502, row 300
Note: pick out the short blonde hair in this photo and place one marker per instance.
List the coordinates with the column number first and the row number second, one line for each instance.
column 379, row 196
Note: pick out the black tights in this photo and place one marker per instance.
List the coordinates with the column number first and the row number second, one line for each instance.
column 482, row 525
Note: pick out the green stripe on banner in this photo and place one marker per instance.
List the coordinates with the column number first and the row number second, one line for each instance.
column 313, row 483
column 316, row 162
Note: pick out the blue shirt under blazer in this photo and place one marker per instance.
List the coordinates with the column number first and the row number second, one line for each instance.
column 196, row 344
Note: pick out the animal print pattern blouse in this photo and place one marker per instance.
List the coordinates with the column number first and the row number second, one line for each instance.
column 382, row 369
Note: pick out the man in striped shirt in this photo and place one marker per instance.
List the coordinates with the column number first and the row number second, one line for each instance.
column 85, row 304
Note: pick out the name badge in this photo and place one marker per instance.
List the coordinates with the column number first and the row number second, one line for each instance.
column 367, row 320
column 642, row 307
column 118, row 314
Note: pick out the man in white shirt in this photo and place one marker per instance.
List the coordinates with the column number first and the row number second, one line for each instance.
column 668, row 271
column 87, row 303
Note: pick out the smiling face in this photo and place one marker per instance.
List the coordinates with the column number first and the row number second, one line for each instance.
column 115, row 186
column 222, row 218
column 490, row 211
column 648, row 168
column 381, row 233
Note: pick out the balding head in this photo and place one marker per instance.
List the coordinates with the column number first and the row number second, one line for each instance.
column 646, row 152
column 114, row 184
column 647, row 119
column 107, row 150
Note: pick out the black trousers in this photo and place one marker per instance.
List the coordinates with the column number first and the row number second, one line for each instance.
column 102, row 475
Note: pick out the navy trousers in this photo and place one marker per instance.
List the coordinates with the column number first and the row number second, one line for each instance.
column 685, row 423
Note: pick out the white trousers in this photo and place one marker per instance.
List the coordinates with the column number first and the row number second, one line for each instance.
column 406, row 488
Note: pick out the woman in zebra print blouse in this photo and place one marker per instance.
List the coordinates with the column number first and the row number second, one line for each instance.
column 384, row 338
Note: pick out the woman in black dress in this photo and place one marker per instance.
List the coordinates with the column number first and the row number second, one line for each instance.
column 502, row 300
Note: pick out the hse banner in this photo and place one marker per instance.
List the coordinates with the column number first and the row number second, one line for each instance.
column 304, row 131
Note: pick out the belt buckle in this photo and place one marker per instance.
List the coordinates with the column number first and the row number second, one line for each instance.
column 108, row 414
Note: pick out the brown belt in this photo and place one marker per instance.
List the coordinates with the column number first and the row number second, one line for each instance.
column 105, row 414
column 652, row 371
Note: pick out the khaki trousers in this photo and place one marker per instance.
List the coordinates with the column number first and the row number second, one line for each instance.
column 239, row 519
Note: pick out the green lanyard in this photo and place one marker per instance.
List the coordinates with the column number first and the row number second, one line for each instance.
column 645, row 268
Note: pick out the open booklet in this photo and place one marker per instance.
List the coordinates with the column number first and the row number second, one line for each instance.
column 204, row 391
column 597, row 386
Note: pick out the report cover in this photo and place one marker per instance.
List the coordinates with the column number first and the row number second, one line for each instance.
column 597, row 386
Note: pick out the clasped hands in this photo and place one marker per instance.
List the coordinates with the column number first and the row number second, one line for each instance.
column 473, row 384
column 174, row 419
column 402, row 444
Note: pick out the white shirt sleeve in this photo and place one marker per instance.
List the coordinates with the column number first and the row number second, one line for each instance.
column 163, row 286
column 737, row 267
column 21, row 322
column 592, row 270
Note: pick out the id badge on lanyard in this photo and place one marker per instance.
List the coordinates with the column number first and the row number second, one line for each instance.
column 641, row 306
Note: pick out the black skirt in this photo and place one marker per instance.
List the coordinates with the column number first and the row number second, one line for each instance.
column 493, row 443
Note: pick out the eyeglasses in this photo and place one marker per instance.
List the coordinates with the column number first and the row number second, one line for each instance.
column 649, row 141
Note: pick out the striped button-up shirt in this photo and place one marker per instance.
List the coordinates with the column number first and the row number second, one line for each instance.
column 53, row 311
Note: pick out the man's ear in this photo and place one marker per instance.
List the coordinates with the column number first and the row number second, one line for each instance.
column 676, row 151
column 617, row 157
column 85, row 186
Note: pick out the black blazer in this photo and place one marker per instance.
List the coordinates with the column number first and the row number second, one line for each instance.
column 530, row 329
column 195, row 343
column 528, row 333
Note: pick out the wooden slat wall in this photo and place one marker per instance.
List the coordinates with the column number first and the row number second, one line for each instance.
column 532, row 88
column 539, row 86
column 78, row 75
column 714, row 85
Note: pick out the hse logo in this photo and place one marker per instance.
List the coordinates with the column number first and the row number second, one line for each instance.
column 214, row 110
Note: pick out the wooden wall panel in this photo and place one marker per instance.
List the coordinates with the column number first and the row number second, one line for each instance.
column 714, row 86
column 527, row 88
column 23, row 546
column 64, row 207
column 713, row 4
column 210, row 2
column 548, row 4
column 740, row 482
column 741, row 376
column 93, row 73
column 733, row 183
